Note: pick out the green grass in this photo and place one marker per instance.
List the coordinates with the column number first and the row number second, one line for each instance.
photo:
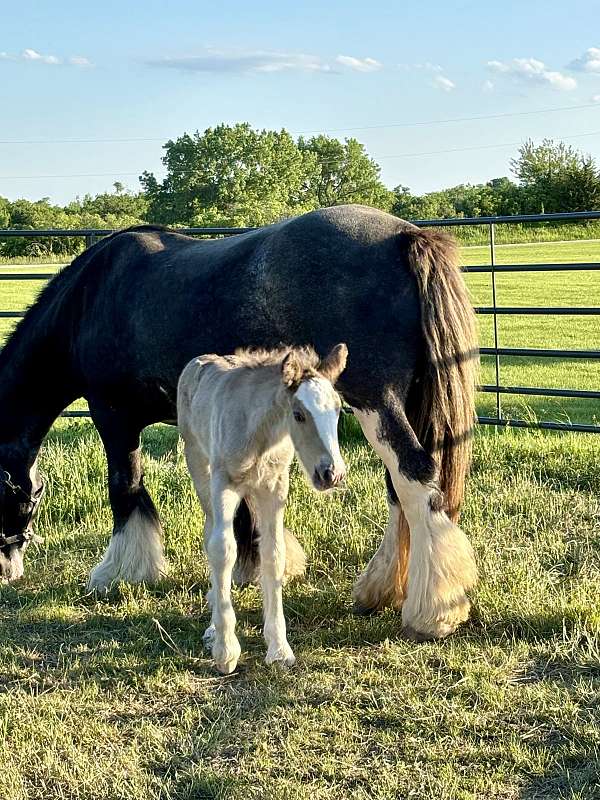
column 565, row 332
column 541, row 232
column 115, row 698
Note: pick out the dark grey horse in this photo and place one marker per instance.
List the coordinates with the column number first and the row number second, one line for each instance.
column 118, row 325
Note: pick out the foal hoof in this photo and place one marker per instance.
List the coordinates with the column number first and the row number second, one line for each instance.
column 226, row 657
column 283, row 656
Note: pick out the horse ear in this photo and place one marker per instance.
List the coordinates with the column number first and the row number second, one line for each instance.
column 291, row 370
column 334, row 363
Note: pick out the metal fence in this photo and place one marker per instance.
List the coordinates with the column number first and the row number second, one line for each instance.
column 493, row 269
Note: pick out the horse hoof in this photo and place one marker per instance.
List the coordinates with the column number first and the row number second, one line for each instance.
column 282, row 656
column 363, row 611
column 413, row 635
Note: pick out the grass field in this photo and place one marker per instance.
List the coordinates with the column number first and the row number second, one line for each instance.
column 114, row 697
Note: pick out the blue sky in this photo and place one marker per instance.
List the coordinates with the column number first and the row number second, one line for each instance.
column 151, row 70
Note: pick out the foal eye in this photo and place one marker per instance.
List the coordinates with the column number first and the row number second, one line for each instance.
column 299, row 416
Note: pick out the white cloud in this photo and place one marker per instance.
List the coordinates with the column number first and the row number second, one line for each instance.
column 588, row 62
column 255, row 61
column 443, row 83
column 359, row 64
column 427, row 66
column 488, row 86
column 596, row 98
column 264, row 61
column 29, row 54
column 80, row 61
column 32, row 55
column 531, row 70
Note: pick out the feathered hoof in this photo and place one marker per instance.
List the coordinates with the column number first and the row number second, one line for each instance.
column 359, row 610
column 426, row 628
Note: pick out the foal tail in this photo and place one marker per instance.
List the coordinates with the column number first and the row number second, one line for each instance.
column 441, row 403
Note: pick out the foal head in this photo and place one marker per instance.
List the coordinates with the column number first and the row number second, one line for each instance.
column 315, row 409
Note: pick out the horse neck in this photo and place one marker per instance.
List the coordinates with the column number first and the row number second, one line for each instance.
column 272, row 424
column 36, row 384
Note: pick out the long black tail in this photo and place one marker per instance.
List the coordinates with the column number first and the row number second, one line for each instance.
column 247, row 536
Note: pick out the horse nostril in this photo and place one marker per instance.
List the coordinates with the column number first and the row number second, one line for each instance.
column 329, row 476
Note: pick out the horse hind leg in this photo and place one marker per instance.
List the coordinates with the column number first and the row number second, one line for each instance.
column 441, row 565
column 135, row 552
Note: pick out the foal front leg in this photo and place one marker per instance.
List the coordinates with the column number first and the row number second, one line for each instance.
column 221, row 550
column 269, row 509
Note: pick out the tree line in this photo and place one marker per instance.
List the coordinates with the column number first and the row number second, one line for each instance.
column 235, row 175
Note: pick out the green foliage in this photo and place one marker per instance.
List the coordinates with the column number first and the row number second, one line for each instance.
column 344, row 173
column 107, row 211
column 236, row 175
column 229, row 175
column 556, row 177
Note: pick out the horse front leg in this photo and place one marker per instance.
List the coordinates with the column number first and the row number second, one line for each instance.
column 221, row 550
column 441, row 565
column 269, row 508
column 135, row 551
column 382, row 584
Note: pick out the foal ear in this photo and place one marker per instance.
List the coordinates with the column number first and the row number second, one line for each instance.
column 334, row 363
column 291, row 370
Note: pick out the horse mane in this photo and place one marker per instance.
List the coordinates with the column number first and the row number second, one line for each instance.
column 51, row 302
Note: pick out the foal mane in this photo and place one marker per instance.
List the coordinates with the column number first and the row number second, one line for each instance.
column 255, row 357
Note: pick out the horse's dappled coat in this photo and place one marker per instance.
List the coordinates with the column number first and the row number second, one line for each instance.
column 118, row 325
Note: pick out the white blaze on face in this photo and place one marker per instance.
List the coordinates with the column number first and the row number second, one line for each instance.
column 319, row 398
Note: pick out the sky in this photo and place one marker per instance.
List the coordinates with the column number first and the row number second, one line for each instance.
column 440, row 93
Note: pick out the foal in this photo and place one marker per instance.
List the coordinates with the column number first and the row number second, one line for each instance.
column 241, row 418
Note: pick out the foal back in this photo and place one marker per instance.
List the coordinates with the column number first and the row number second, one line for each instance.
column 230, row 412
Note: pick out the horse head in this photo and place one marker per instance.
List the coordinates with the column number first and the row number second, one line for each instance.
column 20, row 496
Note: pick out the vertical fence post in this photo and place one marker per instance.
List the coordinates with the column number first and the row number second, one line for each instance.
column 89, row 240
column 495, row 305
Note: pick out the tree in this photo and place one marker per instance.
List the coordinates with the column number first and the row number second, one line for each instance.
column 4, row 212
column 230, row 175
column 130, row 208
column 556, row 177
column 344, row 174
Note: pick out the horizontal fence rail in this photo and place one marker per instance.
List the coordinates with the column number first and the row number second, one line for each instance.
column 91, row 235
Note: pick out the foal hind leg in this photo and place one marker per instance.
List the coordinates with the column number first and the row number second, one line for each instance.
column 135, row 551
column 441, row 565
column 269, row 508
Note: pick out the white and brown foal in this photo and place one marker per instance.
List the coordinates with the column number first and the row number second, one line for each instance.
column 241, row 418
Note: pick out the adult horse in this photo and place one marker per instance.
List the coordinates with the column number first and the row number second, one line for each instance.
column 120, row 322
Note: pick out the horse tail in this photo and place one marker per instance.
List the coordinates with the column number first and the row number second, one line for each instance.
column 441, row 402
column 247, row 565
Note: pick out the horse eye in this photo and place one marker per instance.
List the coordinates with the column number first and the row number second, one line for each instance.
column 299, row 416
